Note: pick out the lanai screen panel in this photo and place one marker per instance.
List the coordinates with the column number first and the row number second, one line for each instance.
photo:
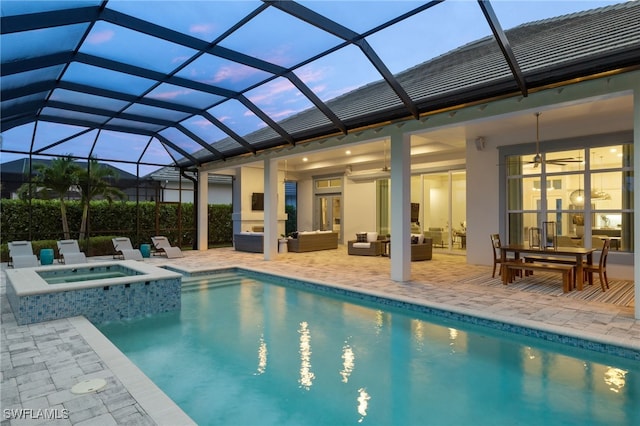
column 208, row 80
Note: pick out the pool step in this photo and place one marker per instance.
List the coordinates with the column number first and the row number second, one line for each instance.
column 217, row 280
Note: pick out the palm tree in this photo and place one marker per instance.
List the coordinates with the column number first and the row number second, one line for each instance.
column 58, row 177
column 92, row 184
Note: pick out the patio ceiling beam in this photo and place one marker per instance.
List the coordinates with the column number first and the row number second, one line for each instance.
column 138, row 118
column 63, row 140
column 505, row 46
column 306, row 91
column 222, row 52
column 182, row 82
column 36, row 63
column 322, row 22
column 152, row 75
column 85, row 123
column 18, row 119
column 231, row 133
column 185, row 154
column 201, row 142
column 264, row 117
column 107, row 113
column 40, row 20
column 28, row 90
column 112, row 94
column 40, row 87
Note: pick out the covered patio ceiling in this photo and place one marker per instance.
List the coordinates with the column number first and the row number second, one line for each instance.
column 183, row 83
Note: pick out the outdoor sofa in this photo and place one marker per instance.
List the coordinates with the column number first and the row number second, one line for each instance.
column 312, row 241
column 422, row 250
column 252, row 242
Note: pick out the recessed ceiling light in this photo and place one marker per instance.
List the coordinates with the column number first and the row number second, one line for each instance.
column 613, row 150
column 305, row 159
column 348, row 152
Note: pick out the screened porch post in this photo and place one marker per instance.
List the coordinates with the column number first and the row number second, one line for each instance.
column 270, row 209
column 203, row 210
column 400, row 207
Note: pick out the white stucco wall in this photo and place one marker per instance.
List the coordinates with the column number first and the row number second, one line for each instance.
column 253, row 181
column 217, row 194
column 359, row 208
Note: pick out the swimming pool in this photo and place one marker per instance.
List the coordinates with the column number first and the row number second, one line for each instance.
column 244, row 350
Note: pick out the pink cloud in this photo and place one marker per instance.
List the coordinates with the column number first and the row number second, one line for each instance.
column 170, row 95
column 100, row 37
column 233, row 73
column 310, row 75
column 204, row 29
column 283, row 114
column 268, row 94
column 202, row 123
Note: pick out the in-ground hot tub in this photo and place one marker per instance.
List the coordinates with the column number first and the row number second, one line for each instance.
column 99, row 291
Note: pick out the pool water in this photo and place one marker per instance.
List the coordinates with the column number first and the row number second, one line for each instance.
column 85, row 273
column 249, row 352
column 84, row 277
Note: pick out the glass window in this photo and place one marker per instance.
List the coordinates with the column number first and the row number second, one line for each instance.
column 329, row 183
column 556, row 190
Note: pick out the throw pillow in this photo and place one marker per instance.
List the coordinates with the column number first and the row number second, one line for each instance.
column 361, row 237
column 414, row 240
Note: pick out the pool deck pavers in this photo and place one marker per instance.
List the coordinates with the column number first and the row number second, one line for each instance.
column 39, row 363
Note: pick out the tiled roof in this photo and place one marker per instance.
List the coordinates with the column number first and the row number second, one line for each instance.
column 548, row 51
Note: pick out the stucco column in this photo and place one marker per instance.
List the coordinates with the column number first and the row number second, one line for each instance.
column 636, row 199
column 203, row 210
column 236, row 197
column 400, row 207
column 270, row 209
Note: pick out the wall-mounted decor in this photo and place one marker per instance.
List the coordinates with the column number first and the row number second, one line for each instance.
column 257, row 201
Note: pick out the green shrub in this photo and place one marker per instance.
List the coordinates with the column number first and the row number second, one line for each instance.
column 97, row 246
column 40, row 220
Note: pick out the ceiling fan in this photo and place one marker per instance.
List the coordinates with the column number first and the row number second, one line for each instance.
column 537, row 159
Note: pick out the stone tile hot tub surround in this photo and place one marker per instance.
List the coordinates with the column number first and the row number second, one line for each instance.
column 148, row 290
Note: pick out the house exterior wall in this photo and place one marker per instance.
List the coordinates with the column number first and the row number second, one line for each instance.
column 217, row 193
column 252, row 181
column 359, row 208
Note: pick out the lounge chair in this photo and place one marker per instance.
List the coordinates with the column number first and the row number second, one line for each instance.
column 124, row 249
column 162, row 245
column 70, row 252
column 21, row 254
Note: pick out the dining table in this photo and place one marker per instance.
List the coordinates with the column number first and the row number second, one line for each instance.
column 579, row 254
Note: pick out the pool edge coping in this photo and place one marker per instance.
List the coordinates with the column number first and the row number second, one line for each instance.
column 156, row 404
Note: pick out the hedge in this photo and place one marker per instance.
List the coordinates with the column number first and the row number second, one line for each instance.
column 138, row 221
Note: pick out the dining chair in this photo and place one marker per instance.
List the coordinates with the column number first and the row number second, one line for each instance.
column 601, row 267
column 497, row 254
